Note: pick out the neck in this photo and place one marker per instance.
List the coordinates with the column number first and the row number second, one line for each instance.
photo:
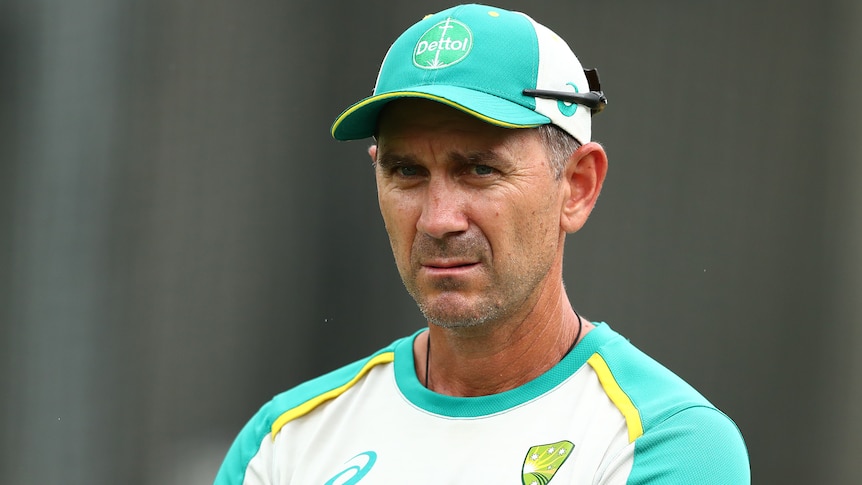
column 499, row 356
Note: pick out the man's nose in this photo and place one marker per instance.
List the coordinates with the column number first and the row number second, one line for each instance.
column 442, row 210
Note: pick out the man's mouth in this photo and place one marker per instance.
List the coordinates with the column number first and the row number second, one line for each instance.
column 449, row 263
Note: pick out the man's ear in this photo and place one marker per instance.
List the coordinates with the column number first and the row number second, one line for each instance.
column 372, row 152
column 582, row 181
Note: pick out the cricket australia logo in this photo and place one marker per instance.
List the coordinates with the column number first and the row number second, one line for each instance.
column 542, row 462
column 446, row 43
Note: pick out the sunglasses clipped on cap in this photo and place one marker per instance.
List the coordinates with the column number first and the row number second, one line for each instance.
column 595, row 100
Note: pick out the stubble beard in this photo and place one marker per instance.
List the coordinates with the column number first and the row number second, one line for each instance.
column 448, row 305
column 494, row 305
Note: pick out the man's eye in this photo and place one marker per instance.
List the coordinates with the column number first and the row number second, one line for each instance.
column 407, row 171
column 482, row 170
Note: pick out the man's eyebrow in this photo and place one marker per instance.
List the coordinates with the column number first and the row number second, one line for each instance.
column 475, row 157
column 390, row 160
column 484, row 157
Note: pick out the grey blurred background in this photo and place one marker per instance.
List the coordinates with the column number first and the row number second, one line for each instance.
column 180, row 239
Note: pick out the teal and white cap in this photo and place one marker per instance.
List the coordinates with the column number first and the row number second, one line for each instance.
column 499, row 66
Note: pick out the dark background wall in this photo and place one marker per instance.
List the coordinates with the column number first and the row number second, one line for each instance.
column 180, row 239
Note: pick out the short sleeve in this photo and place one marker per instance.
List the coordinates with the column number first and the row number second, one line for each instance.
column 699, row 445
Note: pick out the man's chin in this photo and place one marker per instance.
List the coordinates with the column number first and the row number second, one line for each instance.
column 455, row 322
column 449, row 314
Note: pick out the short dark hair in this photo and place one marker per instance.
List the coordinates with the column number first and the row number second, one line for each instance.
column 559, row 145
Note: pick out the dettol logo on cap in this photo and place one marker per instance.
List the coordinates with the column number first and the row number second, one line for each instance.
column 446, row 43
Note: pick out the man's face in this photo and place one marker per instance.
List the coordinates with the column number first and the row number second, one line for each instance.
column 472, row 211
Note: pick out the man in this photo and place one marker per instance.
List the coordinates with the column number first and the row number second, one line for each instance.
column 484, row 164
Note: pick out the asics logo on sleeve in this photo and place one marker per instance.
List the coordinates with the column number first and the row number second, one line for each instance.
column 358, row 467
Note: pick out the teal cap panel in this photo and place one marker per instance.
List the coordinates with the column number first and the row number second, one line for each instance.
column 473, row 57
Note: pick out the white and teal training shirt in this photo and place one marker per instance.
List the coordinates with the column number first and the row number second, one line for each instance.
column 605, row 414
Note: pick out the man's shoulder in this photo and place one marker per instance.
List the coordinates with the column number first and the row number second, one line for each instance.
column 680, row 436
column 294, row 403
column 305, row 397
column 656, row 391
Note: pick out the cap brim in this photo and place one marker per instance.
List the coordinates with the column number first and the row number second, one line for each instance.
column 360, row 120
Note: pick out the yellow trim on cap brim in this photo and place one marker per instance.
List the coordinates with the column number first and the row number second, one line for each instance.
column 432, row 97
column 620, row 399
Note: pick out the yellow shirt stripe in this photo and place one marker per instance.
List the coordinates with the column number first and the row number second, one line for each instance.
column 618, row 396
column 309, row 405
